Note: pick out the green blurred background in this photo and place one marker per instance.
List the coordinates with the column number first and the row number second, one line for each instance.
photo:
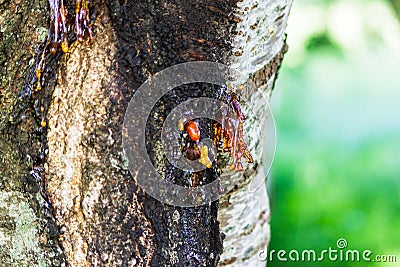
column 336, row 104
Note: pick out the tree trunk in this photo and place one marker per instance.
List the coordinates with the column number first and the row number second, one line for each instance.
column 84, row 208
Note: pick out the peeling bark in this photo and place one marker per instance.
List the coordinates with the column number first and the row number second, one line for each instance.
column 99, row 214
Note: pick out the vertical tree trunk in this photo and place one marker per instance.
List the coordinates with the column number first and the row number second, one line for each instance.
column 99, row 216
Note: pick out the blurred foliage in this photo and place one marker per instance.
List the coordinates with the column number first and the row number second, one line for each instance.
column 322, row 41
column 336, row 172
column 396, row 6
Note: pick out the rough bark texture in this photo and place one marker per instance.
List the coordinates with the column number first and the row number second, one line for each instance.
column 27, row 235
column 100, row 217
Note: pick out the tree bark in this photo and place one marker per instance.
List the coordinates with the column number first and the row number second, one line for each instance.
column 85, row 208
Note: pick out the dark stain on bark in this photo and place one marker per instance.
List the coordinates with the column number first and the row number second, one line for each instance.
column 153, row 35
